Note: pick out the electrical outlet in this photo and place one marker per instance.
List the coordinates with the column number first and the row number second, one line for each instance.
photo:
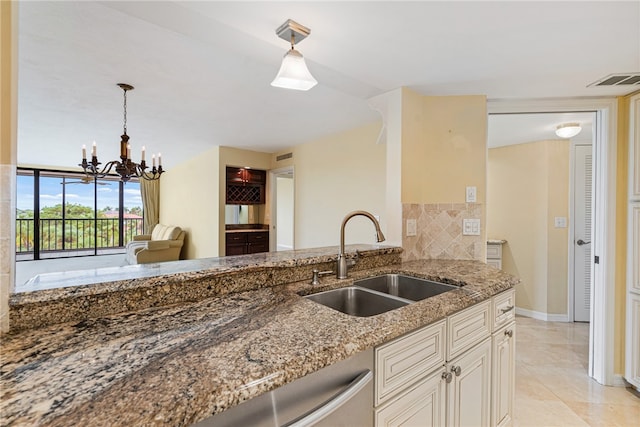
column 471, row 194
column 411, row 228
column 560, row 222
column 471, row 227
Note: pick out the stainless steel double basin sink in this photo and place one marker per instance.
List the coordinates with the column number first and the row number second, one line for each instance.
column 379, row 294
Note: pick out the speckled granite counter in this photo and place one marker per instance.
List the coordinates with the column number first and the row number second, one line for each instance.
column 179, row 364
column 80, row 295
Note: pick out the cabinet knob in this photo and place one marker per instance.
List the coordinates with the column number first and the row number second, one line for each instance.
column 447, row 377
column 456, row 370
column 509, row 333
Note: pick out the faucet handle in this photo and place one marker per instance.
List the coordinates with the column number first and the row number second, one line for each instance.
column 315, row 280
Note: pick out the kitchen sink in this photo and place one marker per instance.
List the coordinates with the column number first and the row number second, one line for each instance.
column 357, row 301
column 411, row 288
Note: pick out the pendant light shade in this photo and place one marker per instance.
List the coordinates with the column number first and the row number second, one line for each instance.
column 568, row 130
column 294, row 73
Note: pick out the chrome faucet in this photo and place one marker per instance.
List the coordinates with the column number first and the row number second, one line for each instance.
column 342, row 260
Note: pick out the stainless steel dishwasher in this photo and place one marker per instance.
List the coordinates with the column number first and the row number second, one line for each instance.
column 336, row 396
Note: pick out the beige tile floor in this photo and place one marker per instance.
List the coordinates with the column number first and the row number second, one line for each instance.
column 552, row 385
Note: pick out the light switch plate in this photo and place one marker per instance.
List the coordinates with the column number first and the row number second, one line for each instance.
column 411, row 227
column 471, row 227
column 471, row 194
column 560, row 222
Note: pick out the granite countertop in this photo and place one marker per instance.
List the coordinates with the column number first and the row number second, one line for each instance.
column 178, row 364
column 248, row 230
column 496, row 241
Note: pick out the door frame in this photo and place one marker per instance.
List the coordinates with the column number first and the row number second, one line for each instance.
column 601, row 327
column 273, row 211
column 572, row 237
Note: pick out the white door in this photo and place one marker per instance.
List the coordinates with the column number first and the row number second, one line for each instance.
column 281, row 209
column 582, row 233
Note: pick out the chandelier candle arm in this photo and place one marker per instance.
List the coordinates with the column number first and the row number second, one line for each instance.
column 126, row 168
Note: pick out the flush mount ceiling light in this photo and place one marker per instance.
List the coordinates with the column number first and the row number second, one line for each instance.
column 568, row 130
column 293, row 73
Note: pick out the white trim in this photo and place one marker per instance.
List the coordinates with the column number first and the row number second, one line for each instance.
column 619, row 381
column 273, row 212
column 601, row 331
column 539, row 315
column 571, row 246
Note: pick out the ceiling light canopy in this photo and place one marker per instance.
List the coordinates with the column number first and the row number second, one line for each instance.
column 568, row 130
column 293, row 73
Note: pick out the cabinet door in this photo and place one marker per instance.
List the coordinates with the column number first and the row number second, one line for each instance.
column 634, row 148
column 632, row 359
column 422, row 405
column 633, row 255
column 503, row 376
column 235, row 174
column 255, row 176
column 469, row 394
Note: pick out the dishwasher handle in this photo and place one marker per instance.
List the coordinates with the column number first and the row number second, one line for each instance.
column 340, row 398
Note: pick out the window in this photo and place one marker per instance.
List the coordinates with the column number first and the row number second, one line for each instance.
column 62, row 214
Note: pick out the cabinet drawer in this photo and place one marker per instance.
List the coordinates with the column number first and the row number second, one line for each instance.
column 259, row 237
column 236, row 238
column 408, row 359
column 467, row 328
column 494, row 251
column 495, row 263
column 504, row 308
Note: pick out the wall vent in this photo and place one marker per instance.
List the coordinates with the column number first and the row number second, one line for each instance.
column 618, row 79
column 284, row 156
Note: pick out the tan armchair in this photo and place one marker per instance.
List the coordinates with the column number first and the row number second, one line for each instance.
column 163, row 244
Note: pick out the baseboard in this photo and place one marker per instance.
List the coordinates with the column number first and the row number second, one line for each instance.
column 618, row 381
column 539, row 315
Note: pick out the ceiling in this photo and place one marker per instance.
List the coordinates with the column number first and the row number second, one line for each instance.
column 201, row 70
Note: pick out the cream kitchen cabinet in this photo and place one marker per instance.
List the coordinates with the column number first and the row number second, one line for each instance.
column 440, row 375
column 632, row 341
column 503, row 375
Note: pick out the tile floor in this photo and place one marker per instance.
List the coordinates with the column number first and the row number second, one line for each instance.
column 552, row 386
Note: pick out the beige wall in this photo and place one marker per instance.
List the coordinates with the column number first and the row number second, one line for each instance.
column 528, row 186
column 444, row 146
column 189, row 195
column 334, row 176
column 8, row 147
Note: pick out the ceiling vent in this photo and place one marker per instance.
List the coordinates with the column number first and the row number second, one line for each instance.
column 284, row 156
column 619, row 79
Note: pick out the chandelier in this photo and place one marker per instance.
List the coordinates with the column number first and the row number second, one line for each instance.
column 124, row 167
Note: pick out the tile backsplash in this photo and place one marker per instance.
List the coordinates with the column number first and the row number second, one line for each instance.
column 439, row 232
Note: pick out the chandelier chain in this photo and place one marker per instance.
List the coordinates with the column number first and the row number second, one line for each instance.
column 125, row 112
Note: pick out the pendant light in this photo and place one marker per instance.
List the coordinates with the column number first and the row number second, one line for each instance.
column 293, row 73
